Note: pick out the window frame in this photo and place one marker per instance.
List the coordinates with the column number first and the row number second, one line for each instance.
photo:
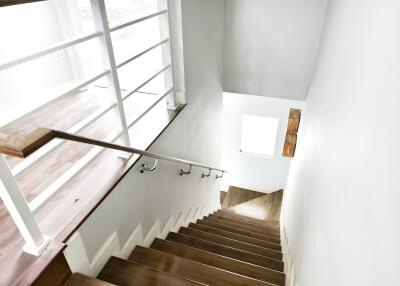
column 275, row 133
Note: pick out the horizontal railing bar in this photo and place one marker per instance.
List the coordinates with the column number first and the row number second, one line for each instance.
column 146, row 82
column 56, row 143
column 37, row 203
column 49, row 50
column 47, row 194
column 82, row 83
column 150, row 108
column 142, row 53
column 127, row 24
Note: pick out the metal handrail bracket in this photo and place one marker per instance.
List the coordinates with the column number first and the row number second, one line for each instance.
column 206, row 175
column 188, row 172
column 149, row 169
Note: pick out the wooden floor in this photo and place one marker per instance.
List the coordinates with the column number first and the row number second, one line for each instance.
column 236, row 195
column 67, row 209
column 255, row 204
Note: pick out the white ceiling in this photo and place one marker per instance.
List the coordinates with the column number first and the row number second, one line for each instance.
column 271, row 46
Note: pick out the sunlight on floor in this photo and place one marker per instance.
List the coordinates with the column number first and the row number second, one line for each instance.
column 250, row 210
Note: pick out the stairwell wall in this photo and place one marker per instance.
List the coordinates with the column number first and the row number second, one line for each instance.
column 341, row 212
column 194, row 135
column 262, row 174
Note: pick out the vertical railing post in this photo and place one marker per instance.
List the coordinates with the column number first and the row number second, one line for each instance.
column 101, row 24
column 14, row 201
column 165, row 31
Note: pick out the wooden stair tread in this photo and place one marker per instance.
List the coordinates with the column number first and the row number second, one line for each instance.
column 231, row 214
column 78, row 279
column 126, row 273
column 219, row 261
column 235, row 223
column 188, row 269
column 232, row 235
column 241, row 220
column 239, row 231
column 231, row 243
column 226, row 251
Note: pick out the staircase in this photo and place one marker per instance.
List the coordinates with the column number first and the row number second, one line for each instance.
column 224, row 248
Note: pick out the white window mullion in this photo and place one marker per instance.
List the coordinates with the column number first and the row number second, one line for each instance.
column 166, row 50
column 101, row 24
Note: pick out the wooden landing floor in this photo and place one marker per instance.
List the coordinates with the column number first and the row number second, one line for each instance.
column 68, row 208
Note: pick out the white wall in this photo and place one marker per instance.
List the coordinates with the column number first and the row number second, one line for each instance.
column 245, row 170
column 341, row 207
column 39, row 28
column 271, row 46
column 194, row 135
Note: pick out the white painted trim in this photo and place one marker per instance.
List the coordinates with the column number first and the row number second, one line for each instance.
column 188, row 218
column 127, row 24
column 110, row 248
column 142, row 53
column 149, row 108
column 152, row 234
column 49, row 50
column 77, row 257
column 146, row 82
column 134, row 239
column 289, row 265
column 179, row 222
column 176, row 49
column 169, row 225
column 105, row 43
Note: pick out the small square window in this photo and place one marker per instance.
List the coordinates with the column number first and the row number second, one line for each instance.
column 259, row 135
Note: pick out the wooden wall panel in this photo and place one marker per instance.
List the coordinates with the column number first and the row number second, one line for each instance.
column 289, row 147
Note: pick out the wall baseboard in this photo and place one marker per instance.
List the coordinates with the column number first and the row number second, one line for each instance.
column 77, row 257
column 289, row 269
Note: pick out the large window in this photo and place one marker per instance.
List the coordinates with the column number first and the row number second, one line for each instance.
column 97, row 68
column 138, row 50
column 259, row 135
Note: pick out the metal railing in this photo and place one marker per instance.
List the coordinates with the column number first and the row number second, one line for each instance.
column 22, row 147
column 30, row 143
column 23, row 212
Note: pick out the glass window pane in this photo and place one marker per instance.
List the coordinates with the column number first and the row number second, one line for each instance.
column 140, row 70
column 121, row 11
column 259, row 135
column 134, row 39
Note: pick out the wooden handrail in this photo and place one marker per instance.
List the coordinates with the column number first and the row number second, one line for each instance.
column 24, row 146
column 4, row 3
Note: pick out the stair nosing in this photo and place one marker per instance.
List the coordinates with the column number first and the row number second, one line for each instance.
column 246, row 237
column 229, row 247
column 237, row 241
column 266, row 236
column 215, row 268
